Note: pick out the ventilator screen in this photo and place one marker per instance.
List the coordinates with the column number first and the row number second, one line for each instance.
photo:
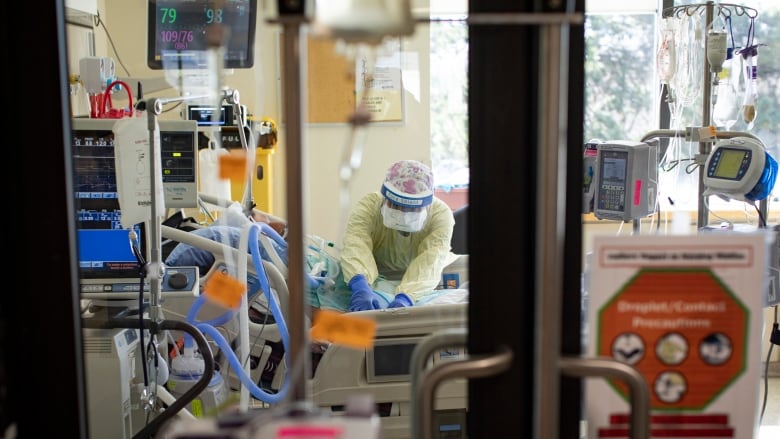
column 104, row 249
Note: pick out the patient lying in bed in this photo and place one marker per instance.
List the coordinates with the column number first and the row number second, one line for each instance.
column 326, row 287
column 187, row 255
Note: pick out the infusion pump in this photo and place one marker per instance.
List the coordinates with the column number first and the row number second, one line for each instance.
column 740, row 169
column 626, row 180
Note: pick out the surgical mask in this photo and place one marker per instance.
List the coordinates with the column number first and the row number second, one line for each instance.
column 403, row 221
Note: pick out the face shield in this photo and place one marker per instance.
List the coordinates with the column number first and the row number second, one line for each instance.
column 403, row 219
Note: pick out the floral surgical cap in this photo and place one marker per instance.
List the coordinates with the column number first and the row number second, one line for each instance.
column 409, row 183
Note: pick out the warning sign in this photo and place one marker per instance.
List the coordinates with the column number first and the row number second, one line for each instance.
column 685, row 311
column 678, row 328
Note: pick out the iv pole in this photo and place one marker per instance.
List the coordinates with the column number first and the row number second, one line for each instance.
column 293, row 97
column 156, row 268
column 705, row 147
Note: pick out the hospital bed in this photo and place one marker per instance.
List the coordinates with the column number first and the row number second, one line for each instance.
column 383, row 371
column 338, row 372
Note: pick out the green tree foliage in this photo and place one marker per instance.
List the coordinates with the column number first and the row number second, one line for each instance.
column 767, row 123
column 619, row 75
column 449, row 87
column 621, row 85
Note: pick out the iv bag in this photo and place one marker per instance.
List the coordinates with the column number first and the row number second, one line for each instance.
column 208, row 170
column 367, row 21
column 750, row 99
column 726, row 110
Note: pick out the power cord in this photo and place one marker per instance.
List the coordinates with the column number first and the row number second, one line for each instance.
column 774, row 339
column 135, row 246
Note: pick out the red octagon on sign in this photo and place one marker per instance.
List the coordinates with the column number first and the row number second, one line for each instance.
column 683, row 329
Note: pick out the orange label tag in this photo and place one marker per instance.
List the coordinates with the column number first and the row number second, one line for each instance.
column 343, row 329
column 233, row 166
column 224, row 290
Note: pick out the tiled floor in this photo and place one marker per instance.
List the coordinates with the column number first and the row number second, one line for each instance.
column 770, row 421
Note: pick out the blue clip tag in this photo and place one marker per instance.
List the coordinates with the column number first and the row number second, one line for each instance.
column 451, row 280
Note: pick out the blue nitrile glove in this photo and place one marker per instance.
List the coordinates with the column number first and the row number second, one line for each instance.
column 363, row 297
column 401, row 300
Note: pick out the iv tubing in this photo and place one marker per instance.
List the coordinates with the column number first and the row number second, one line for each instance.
column 192, row 318
column 246, row 379
column 248, row 235
column 258, row 262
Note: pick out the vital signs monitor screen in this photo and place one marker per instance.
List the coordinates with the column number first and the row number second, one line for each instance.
column 104, row 249
column 178, row 32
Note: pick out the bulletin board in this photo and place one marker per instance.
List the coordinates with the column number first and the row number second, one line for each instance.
column 330, row 82
column 333, row 89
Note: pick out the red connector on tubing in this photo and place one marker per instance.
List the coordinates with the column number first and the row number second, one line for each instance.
column 114, row 113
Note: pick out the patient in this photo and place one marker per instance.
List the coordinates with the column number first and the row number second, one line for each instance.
column 227, row 230
column 262, row 217
column 187, row 255
column 401, row 229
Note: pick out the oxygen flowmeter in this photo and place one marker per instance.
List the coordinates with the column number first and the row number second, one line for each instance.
column 740, row 169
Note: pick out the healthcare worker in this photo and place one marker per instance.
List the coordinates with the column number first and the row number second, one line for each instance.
column 401, row 230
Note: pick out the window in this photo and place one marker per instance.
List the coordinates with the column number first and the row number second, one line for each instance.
column 449, row 108
column 624, row 92
column 620, row 94
column 449, row 111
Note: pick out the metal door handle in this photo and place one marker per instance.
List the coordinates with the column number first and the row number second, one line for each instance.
column 425, row 384
column 424, row 387
column 608, row 368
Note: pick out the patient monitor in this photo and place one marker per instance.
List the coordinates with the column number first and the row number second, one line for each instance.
column 626, row 180
column 108, row 266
